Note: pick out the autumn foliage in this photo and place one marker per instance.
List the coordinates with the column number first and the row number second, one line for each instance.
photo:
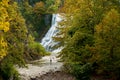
column 91, row 38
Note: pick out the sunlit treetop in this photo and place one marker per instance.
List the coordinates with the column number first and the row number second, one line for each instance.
column 4, row 18
column 4, row 26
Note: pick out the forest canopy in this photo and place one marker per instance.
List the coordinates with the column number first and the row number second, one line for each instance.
column 21, row 21
column 91, row 38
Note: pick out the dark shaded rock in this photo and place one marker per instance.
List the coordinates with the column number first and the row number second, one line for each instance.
column 33, row 78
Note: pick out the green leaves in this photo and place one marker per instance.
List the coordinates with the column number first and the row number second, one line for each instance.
column 38, row 49
column 91, row 35
column 107, row 40
column 82, row 72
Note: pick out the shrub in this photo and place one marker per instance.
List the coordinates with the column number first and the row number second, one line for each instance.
column 37, row 49
column 8, row 71
column 81, row 72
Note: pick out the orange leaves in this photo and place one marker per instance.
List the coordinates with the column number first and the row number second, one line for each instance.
column 112, row 18
column 110, row 22
column 3, row 46
column 39, row 8
column 40, row 4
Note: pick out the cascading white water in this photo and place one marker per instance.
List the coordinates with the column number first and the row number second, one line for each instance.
column 47, row 41
column 37, row 70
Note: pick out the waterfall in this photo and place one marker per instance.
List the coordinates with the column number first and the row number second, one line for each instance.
column 47, row 40
column 49, row 62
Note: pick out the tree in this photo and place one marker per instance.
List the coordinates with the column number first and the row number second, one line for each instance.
column 107, row 42
column 4, row 27
column 15, row 41
column 39, row 8
column 88, row 36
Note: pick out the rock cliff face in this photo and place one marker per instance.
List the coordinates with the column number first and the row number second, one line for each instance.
column 47, row 23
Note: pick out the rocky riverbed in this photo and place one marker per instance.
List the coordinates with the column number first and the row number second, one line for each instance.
column 40, row 67
column 58, row 75
column 43, row 69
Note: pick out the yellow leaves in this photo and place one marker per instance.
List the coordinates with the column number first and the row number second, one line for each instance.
column 99, row 28
column 110, row 22
column 72, row 5
column 40, row 4
column 108, row 35
column 112, row 17
column 4, row 3
column 3, row 46
column 58, row 2
column 2, row 42
column 3, row 53
column 4, row 26
column 3, row 13
column 39, row 7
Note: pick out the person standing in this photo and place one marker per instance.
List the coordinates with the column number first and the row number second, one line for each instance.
column 50, row 60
